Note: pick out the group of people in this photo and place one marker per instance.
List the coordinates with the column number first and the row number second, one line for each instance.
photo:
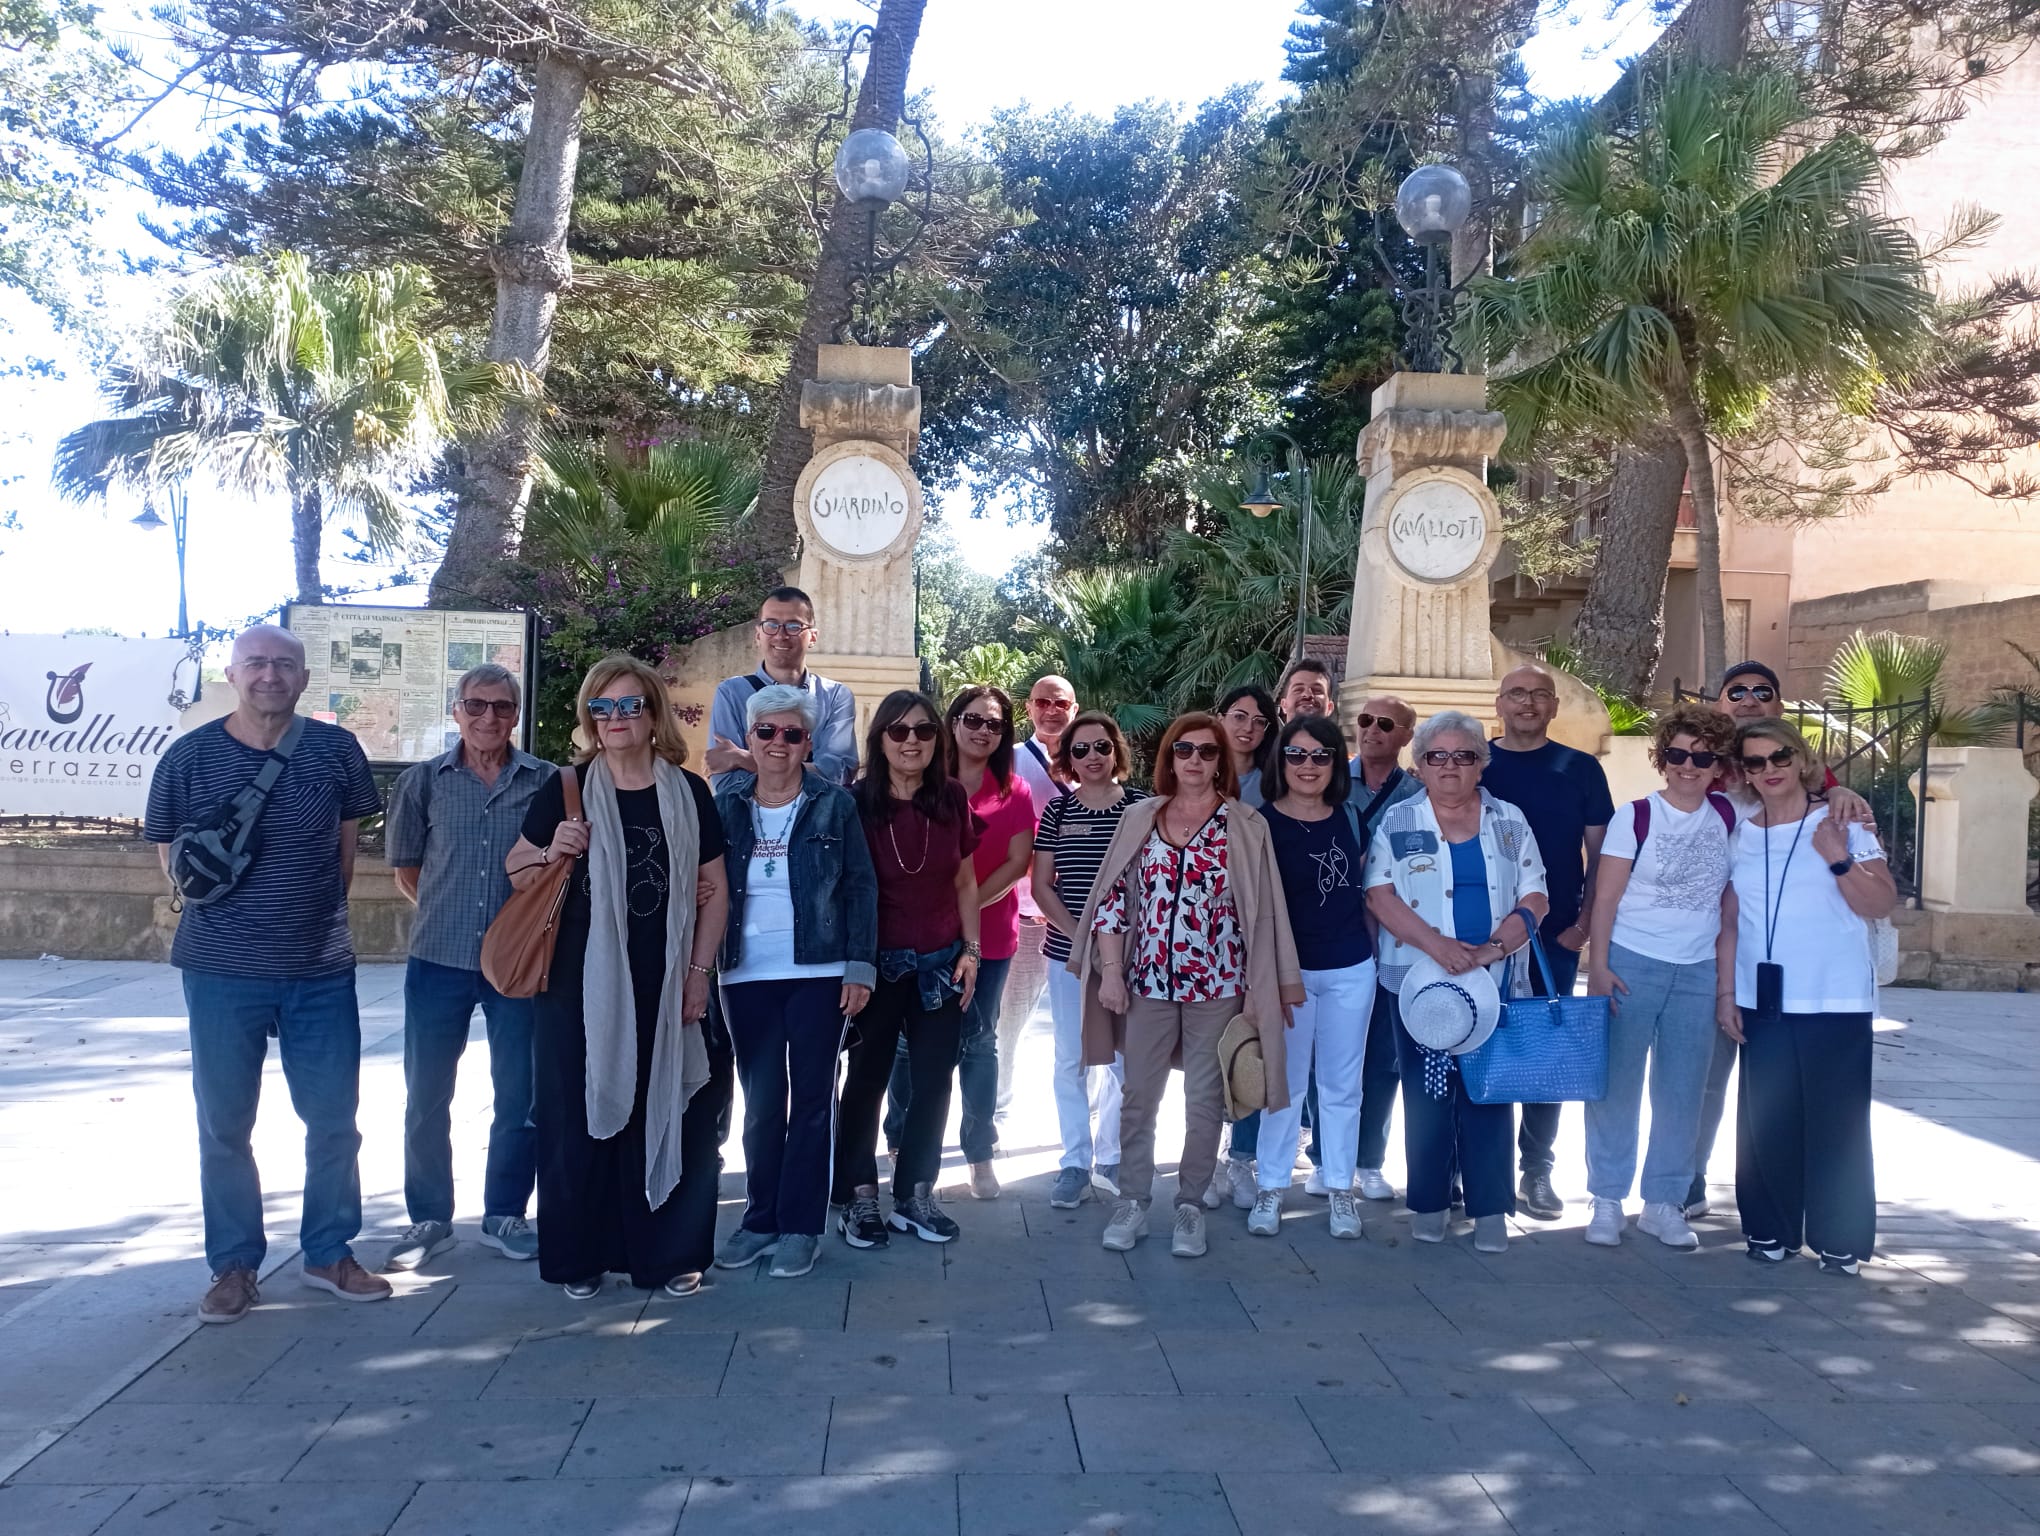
column 852, row 933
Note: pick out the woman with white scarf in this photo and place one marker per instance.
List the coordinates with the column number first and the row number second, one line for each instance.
column 628, row 1143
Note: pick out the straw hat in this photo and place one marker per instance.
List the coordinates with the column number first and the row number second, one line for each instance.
column 1446, row 1012
column 1241, row 1068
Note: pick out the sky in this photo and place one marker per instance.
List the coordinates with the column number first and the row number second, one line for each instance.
column 67, row 566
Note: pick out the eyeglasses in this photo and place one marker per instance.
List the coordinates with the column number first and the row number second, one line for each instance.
column 502, row 709
column 623, row 709
column 1528, row 695
column 1203, row 751
column 1777, row 759
column 792, row 735
column 971, row 720
column 1763, row 693
column 1361, row 722
column 927, row 730
column 1240, row 718
column 1083, row 749
column 1678, row 757
column 282, row 666
column 1306, row 755
column 1463, row 757
column 794, row 627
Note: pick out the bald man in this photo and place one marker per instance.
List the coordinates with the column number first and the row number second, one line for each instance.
column 272, row 955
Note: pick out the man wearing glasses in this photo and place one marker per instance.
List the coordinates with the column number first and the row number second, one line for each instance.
column 451, row 824
column 785, row 634
column 1563, row 794
column 272, row 954
column 1051, row 706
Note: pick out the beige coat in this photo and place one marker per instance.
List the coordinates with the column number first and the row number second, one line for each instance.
column 1274, row 979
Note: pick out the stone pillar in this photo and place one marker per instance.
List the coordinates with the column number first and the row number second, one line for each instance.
column 1975, row 815
column 1429, row 531
column 858, row 507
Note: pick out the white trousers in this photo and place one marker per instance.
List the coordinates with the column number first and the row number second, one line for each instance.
column 1330, row 1028
column 1081, row 1095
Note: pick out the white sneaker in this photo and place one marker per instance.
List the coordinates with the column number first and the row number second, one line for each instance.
column 1188, row 1240
column 1604, row 1227
column 1315, row 1184
column 1244, row 1188
column 1372, row 1186
column 1266, row 1218
column 1128, row 1226
column 1664, row 1221
column 1220, row 1186
column 1345, row 1214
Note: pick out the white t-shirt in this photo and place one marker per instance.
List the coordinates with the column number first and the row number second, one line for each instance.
column 1822, row 945
column 768, row 904
column 1671, row 908
column 1028, row 758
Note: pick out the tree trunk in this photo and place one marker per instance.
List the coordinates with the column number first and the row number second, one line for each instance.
column 1692, row 433
column 532, row 267
column 1620, row 632
column 307, row 519
column 881, row 99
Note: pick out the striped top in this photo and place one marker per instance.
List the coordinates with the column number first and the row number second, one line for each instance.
column 1077, row 837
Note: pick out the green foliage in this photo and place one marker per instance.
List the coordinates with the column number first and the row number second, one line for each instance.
column 989, row 662
column 665, row 505
column 1883, row 670
column 1117, row 632
column 1626, row 716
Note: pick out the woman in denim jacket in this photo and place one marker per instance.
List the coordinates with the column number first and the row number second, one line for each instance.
column 799, row 960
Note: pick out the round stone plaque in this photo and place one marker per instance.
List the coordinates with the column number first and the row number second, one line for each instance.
column 858, row 501
column 1438, row 523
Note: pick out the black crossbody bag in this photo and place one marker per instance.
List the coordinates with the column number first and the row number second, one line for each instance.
column 208, row 857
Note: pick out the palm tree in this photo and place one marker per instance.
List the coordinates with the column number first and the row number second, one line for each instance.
column 671, row 501
column 1881, row 671
column 275, row 379
column 1120, row 633
column 1686, row 268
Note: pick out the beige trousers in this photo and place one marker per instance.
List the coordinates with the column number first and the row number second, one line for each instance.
column 1154, row 1030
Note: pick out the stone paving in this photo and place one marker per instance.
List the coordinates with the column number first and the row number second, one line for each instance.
column 1022, row 1380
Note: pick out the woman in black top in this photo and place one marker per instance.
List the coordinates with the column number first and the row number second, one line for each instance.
column 629, row 1092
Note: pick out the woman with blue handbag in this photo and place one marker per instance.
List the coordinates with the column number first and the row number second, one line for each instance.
column 1455, row 881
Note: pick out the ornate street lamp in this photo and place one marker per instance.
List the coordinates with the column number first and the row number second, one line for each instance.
column 872, row 172
column 1432, row 205
column 1262, row 502
column 149, row 518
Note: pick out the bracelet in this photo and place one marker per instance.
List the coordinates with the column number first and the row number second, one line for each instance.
column 973, row 949
column 699, row 970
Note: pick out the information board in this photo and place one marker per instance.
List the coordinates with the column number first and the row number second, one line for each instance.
column 388, row 674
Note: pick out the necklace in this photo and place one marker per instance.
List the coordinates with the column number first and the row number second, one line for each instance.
column 771, row 844
column 927, row 837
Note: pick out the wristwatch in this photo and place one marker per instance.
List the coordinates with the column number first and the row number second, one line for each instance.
column 1841, row 867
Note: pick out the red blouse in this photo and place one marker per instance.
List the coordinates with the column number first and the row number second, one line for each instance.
column 1186, row 947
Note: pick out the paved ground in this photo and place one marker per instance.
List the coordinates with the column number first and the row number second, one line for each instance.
column 1021, row 1381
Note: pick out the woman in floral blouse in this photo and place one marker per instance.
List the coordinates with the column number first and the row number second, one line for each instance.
column 1185, row 928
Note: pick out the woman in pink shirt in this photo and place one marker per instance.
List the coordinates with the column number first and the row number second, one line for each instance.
column 980, row 721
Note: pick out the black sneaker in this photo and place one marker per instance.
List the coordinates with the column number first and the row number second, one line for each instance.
column 920, row 1215
column 1837, row 1264
column 1769, row 1253
column 861, row 1225
column 1539, row 1198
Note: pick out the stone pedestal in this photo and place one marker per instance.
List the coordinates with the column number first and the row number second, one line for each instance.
column 1975, row 813
column 1430, row 530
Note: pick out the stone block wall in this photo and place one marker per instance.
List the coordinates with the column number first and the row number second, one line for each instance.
column 1973, row 622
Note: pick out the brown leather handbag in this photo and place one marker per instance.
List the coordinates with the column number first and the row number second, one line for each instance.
column 517, row 951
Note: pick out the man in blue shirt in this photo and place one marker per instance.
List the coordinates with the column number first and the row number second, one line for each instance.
column 452, row 822
column 272, row 955
column 1563, row 794
column 785, row 633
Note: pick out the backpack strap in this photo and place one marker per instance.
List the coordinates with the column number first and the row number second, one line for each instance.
column 1724, row 808
column 756, row 682
column 1639, row 811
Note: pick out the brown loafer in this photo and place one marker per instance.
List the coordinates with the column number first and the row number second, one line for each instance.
column 233, row 1293
column 347, row 1280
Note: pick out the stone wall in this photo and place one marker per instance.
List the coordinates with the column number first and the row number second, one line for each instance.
column 1973, row 622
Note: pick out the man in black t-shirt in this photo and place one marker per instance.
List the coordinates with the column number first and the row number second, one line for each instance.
column 273, row 955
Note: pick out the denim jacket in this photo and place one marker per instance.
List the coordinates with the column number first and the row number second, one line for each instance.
column 934, row 973
column 835, row 888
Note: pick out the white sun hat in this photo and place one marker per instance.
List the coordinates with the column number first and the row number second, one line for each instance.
column 1446, row 1012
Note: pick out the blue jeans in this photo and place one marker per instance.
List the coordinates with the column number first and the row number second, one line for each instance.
column 1450, row 1139
column 318, row 1037
column 1537, row 1137
column 1713, row 1104
column 439, row 1006
column 977, row 1071
column 1667, row 1015
column 1244, row 1140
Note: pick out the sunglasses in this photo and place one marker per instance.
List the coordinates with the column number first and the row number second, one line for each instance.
column 1464, row 757
column 1763, row 693
column 792, row 735
column 622, row 709
column 1204, row 751
column 1064, row 704
column 971, row 720
column 1361, row 722
column 793, row 627
column 1306, row 755
column 1678, row 757
column 1083, row 749
column 474, row 709
column 1778, row 759
column 927, row 730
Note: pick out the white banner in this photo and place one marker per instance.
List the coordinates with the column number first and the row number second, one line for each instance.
column 83, row 719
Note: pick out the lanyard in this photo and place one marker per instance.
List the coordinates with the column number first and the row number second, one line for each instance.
column 1770, row 918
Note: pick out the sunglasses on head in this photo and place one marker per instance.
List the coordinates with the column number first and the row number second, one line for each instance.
column 474, row 709
column 1462, row 757
column 1204, row 751
column 1777, row 759
column 1763, row 693
column 623, row 709
column 971, row 720
column 1083, row 749
column 1678, row 757
column 927, row 730
column 1361, row 722
column 792, row 735
column 1306, row 755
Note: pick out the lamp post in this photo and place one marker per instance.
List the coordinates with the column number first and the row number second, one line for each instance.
column 1262, row 503
column 1432, row 205
column 174, row 498
column 872, row 171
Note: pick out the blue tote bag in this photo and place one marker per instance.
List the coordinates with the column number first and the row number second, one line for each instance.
column 1545, row 1050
